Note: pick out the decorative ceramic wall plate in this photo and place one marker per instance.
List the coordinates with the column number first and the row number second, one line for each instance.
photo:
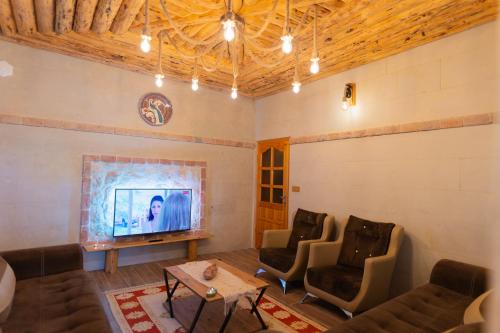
column 155, row 109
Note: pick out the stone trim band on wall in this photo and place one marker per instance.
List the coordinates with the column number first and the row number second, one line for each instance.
column 93, row 128
column 422, row 126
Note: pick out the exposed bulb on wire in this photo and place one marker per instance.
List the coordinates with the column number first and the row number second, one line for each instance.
column 234, row 92
column 159, row 80
column 194, row 84
column 314, row 69
column 345, row 105
column 296, row 86
column 229, row 26
column 287, row 46
column 145, row 43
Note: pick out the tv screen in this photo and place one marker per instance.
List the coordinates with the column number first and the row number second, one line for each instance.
column 150, row 211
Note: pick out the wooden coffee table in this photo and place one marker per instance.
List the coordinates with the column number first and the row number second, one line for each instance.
column 200, row 290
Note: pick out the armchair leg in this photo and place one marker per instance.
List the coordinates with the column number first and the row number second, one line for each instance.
column 307, row 294
column 347, row 313
column 260, row 270
column 283, row 285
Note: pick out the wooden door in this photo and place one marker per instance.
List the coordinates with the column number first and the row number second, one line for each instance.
column 272, row 187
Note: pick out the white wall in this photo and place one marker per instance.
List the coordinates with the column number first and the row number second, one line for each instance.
column 437, row 184
column 41, row 168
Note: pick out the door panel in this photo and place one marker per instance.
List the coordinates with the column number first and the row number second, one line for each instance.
column 272, row 187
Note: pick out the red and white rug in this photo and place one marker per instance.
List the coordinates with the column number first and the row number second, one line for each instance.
column 140, row 309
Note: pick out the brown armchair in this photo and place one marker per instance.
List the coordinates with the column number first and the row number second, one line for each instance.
column 354, row 272
column 284, row 253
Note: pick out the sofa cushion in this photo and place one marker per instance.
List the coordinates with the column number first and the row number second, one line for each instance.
column 7, row 288
column 363, row 239
column 306, row 225
column 426, row 309
column 281, row 259
column 65, row 302
column 341, row 281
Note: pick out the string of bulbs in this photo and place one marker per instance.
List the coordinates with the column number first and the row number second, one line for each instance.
column 232, row 25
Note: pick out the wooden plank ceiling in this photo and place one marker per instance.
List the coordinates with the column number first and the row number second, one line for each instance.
column 351, row 33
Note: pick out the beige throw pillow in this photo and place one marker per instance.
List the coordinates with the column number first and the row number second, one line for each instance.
column 7, row 288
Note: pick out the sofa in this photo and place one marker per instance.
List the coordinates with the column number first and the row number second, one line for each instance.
column 435, row 307
column 53, row 293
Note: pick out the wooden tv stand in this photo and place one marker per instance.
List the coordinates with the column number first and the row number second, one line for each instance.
column 112, row 249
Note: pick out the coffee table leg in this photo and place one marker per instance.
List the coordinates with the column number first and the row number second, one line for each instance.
column 170, row 293
column 262, row 291
column 255, row 310
column 228, row 316
column 197, row 316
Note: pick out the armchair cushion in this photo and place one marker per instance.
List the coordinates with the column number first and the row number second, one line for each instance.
column 280, row 258
column 364, row 239
column 339, row 280
column 306, row 226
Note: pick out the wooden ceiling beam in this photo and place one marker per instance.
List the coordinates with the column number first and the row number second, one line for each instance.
column 104, row 15
column 7, row 22
column 65, row 11
column 44, row 10
column 84, row 14
column 24, row 15
column 126, row 15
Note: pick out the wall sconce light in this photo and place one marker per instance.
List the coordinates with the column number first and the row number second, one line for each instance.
column 349, row 98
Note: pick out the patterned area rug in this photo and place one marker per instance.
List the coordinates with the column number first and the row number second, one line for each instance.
column 141, row 309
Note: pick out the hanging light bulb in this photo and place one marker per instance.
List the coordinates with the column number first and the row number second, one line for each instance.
column 234, row 93
column 194, row 79
column 287, row 46
column 229, row 26
column 314, row 69
column 287, row 37
column 145, row 43
column 159, row 76
column 146, row 34
column 234, row 89
column 296, row 78
column 194, row 84
column 228, row 23
column 159, row 80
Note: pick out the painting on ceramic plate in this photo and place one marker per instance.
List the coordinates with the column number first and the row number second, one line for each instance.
column 155, row 109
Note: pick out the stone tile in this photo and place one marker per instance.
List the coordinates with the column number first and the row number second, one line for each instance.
column 108, row 158
column 121, row 159
column 10, row 119
column 478, row 119
column 451, row 122
column 29, row 121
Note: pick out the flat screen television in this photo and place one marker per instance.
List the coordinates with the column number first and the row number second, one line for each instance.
column 151, row 211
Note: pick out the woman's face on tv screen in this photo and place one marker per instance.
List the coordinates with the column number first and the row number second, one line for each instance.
column 156, row 208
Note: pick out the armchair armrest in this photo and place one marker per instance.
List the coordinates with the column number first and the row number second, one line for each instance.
column 377, row 274
column 324, row 254
column 376, row 282
column 275, row 238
